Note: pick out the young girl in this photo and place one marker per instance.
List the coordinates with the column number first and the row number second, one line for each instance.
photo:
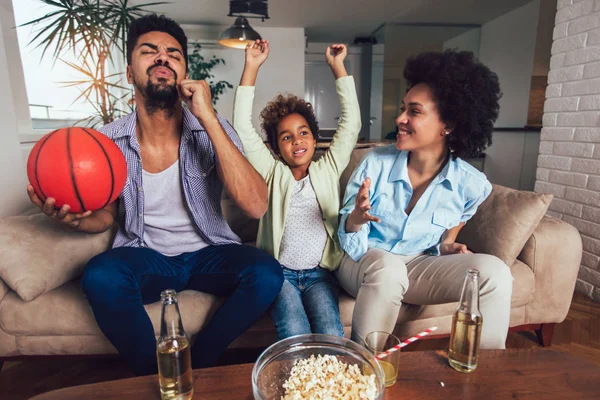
column 300, row 225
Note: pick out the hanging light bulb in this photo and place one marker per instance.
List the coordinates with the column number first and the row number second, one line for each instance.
column 239, row 34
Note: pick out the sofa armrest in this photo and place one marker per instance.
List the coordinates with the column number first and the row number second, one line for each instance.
column 554, row 253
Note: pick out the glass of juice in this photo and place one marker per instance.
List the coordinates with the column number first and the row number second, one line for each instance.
column 378, row 342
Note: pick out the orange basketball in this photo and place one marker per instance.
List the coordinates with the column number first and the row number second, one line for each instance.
column 77, row 166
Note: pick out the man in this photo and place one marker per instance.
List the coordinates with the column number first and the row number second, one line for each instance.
column 174, row 234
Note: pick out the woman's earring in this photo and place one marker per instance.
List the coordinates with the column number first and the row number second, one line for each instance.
column 446, row 133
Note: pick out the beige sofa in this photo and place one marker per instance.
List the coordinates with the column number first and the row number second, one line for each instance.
column 43, row 310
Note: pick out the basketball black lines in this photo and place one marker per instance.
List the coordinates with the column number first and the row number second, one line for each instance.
column 110, row 167
column 72, row 172
column 35, row 167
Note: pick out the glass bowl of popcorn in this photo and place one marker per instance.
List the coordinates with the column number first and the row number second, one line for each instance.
column 317, row 366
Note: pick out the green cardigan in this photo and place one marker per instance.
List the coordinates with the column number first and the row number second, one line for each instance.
column 324, row 173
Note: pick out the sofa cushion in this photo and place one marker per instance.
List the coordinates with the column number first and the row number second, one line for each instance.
column 8, row 345
column 504, row 222
column 38, row 254
column 65, row 311
column 64, row 345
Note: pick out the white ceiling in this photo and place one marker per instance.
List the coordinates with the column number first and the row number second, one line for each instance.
column 342, row 20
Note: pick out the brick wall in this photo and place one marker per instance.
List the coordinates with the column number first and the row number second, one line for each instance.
column 569, row 161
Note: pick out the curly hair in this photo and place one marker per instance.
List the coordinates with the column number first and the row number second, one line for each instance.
column 466, row 93
column 282, row 106
column 155, row 23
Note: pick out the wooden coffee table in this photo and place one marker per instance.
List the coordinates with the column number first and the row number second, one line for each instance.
column 502, row 374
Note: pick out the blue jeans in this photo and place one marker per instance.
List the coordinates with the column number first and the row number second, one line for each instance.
column 119, row 282
column 307, row 303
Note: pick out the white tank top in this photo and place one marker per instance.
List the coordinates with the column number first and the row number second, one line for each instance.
column 304, row 235
column 168, row 227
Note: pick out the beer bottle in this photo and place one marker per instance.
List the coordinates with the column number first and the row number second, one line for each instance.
column 173, row 353
column 467, row 321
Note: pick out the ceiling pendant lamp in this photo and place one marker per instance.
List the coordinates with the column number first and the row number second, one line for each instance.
column 241, row 33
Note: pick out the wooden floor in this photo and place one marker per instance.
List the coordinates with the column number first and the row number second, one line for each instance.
column 579, row 334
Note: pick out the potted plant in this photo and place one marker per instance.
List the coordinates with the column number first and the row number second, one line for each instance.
column 201, row 69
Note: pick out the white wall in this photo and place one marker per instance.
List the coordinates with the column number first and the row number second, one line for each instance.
column 507, row 48
column 13, row 198
column 320, row 85
column 401, row 43
column 512, row 158
column 468, row 41
column 283, row 72
column 569, row 161
column 376, row 131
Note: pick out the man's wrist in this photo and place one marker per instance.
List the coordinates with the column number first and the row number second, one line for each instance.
column 208, row 118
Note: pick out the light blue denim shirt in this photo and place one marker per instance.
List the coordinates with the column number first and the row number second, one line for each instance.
column 451, row 198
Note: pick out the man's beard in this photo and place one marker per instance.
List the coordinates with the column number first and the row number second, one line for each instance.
column 160, row 96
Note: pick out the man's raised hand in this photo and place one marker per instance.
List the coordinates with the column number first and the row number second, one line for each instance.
column 196, row 95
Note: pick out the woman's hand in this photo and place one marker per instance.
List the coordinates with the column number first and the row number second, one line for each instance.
column 453, row 248
column 360, row 215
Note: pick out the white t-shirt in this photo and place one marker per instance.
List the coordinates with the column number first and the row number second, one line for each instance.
column 168, row 227
column 304, row 234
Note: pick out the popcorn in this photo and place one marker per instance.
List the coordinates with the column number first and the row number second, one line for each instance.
column 327, row 378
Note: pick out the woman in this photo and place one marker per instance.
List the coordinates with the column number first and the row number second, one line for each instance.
column 405, row 204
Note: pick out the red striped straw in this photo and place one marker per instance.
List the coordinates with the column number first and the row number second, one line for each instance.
column 407, row 341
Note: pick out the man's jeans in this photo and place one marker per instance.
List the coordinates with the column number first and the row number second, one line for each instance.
column 119, row 282
column 307, row 303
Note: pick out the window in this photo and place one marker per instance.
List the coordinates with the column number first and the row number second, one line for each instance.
column 51, row 104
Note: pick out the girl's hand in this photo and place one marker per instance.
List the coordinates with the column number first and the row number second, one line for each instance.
column 336, row 54
column 257, row 53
